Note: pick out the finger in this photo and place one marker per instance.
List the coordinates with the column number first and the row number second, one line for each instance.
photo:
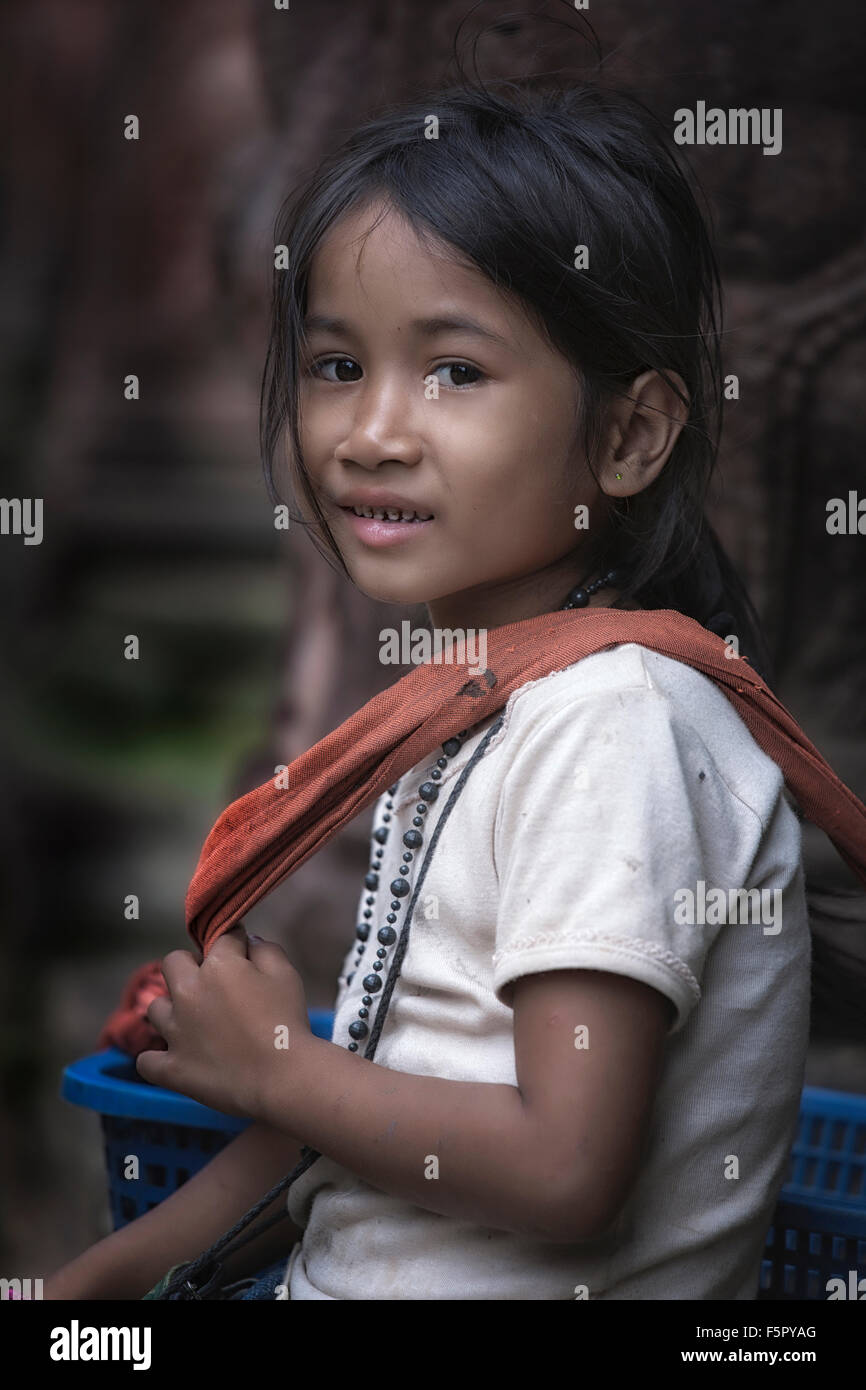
column 231, row 943
column 267, row 955
column 151, row 1067
column 159, row 1013
column 177, row 968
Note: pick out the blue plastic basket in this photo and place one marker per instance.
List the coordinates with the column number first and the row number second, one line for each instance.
column 170, row 1135
column 818, row 1231
column 819, row 1226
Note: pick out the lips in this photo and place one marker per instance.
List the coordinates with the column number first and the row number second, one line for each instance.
column 380, row 531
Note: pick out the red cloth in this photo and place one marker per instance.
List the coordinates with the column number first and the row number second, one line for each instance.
column 269, row 833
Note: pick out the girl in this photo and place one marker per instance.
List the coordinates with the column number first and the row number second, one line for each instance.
column 495, row 360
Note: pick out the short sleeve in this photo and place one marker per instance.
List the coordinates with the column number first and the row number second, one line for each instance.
column 610, row 807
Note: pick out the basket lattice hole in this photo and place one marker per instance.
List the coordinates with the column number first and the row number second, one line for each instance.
column 838, row 1136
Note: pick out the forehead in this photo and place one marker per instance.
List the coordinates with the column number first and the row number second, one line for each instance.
column 374, row 260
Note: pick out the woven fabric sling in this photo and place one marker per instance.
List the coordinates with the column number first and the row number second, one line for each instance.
column 265, row 836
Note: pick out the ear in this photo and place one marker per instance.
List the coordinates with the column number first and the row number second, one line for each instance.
column 643, row 427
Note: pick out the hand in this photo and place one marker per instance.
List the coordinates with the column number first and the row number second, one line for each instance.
column 230, row 1024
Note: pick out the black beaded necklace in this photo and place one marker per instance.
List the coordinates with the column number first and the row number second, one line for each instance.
column 413, row 839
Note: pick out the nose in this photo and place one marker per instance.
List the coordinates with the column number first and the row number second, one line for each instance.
column 381, row 427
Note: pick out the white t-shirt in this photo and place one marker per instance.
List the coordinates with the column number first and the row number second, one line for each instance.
column 611, row 787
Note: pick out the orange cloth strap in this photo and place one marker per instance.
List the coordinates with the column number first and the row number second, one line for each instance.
column 267, row 834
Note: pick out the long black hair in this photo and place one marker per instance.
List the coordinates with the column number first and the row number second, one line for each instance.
column 518, row 175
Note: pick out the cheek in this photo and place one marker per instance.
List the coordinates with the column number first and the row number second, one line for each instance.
column 515, row 492
column 324, row 417
column 513, row 520
column 311, row 427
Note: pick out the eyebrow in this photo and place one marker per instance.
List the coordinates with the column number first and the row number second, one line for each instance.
column 443, row 323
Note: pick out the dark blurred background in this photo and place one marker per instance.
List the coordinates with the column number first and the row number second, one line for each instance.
column 154, row 257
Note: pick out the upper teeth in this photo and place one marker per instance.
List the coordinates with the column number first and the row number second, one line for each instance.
column 391, row 514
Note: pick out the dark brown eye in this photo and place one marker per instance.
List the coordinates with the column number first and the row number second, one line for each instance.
column 339, row 363
column 460, row 380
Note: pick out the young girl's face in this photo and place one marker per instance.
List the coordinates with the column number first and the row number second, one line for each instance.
column 491, row 457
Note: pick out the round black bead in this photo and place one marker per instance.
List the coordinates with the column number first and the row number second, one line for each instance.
column 429, row 791
column 363, row 1013
column 362, row 931
column 367, row 1000
column 381, row 953
column 372, row 983
column 368, row 912
column 421, row 807
column 391, row 917
column 350, row 978
column 399, row 887
column 358, row 1030
column 371, row 881
column 413, row 840
column 392, row 790
column 377, row 965
column 386, row 935
column 381, row 834
column 441, row 762
column 451, row 746
column 436, row 774
column 417, row 820
column 579, row 598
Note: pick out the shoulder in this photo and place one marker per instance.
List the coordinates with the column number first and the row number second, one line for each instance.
column 626, row 669
column 627, row 675
column 636, row 716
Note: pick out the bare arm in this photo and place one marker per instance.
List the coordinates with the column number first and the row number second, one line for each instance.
column 127, row 1263
column 553, row 1157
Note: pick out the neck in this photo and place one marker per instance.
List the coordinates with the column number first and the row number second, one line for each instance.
column 512, row 602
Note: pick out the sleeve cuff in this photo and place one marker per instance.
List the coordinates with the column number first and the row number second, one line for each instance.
column 619, row 955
